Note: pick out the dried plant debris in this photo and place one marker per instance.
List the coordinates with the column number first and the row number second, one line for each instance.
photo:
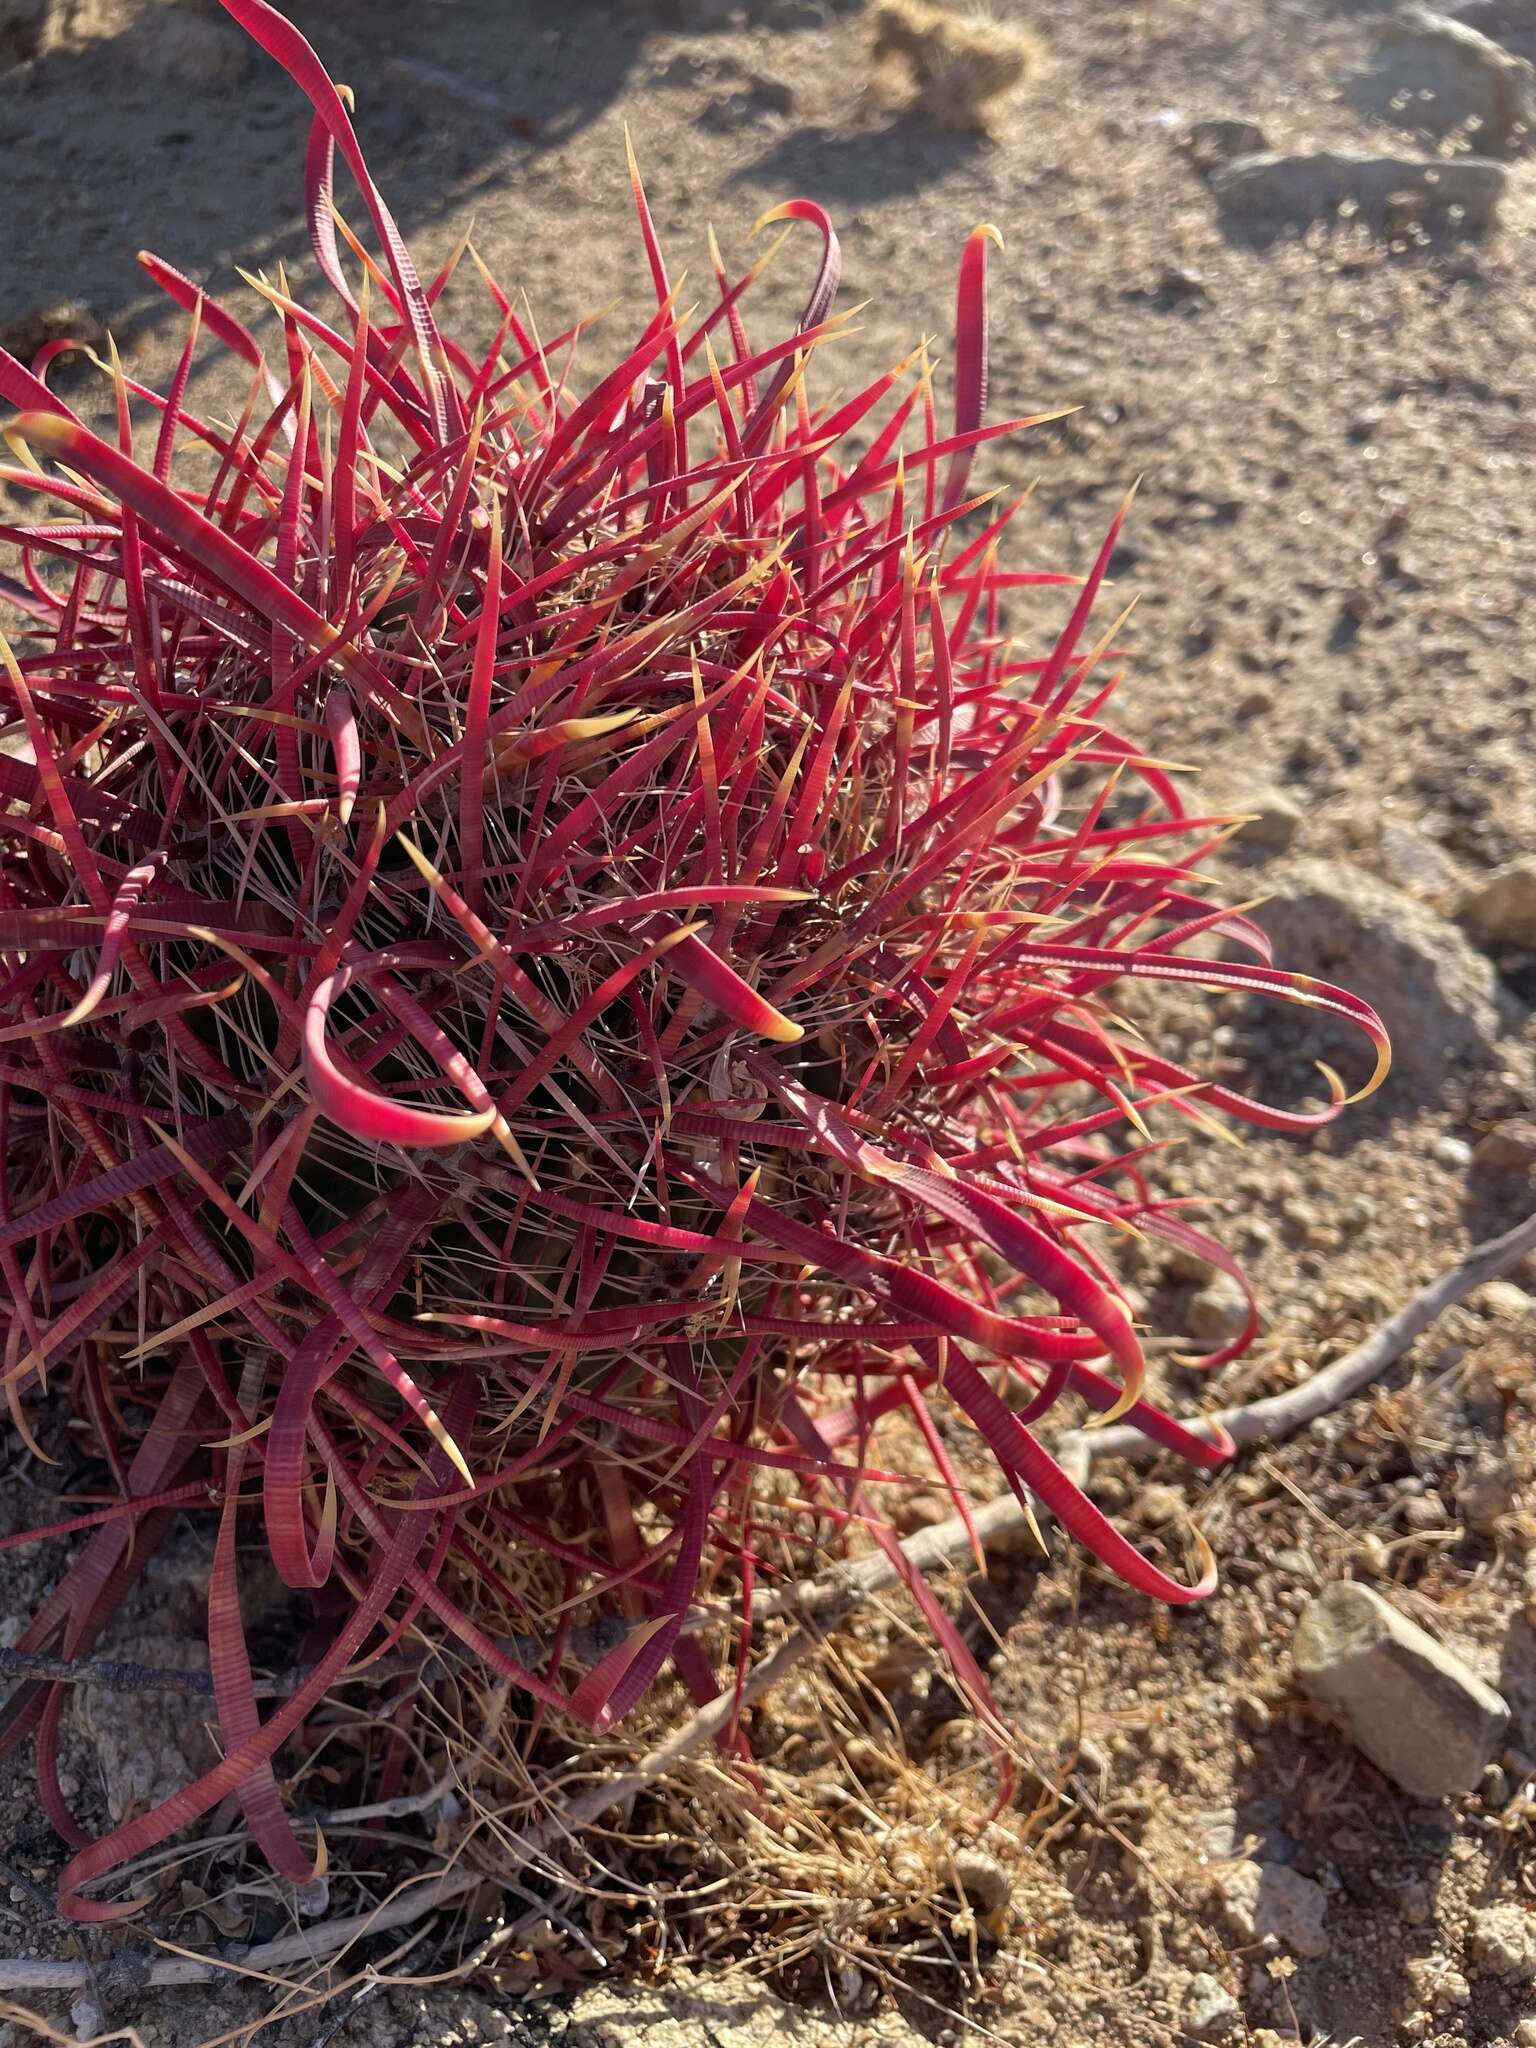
column 959, row 67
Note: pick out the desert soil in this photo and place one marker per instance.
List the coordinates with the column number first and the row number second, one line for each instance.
column 1332, row 554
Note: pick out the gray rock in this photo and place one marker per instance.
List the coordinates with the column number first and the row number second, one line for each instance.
column 1503, row 1943
column 1275, row 1905
column 1412, row 1706
column 1414, row 1904
column 1437, row 77
column 1219, row 1835
column 1411, row 860
column 1501, row 908
column 1437, row 994
column 88, row 2019
column 1210, row 2011
column 1218, row 1313
column 1275, row 191
column 1272, row 819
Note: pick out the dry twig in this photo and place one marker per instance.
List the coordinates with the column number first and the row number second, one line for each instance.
column 1271, row 1421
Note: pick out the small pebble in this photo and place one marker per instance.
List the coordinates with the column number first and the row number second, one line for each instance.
column 1452, row 1152
column 1297, row 1563
column 1502, row 1301
column 1414, row 1904
column 1275, row 1905
column 1501, row 907
column 1273, row 819
column 1157, row 1506
column 1425, row 1514
column 1509, row 1148
column 1219, row 1312
column 983, row 1879
column 1503, row 1943
column 1493, row 1789
column 1253, row 1713
column 920, row 1511
column 1442, row 1988
column 1210, row 2010
column 1218, row 1833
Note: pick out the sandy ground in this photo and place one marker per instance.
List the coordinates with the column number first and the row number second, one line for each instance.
column 1331, row 549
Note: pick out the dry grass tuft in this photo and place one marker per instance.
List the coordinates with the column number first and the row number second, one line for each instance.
column 960, row 69
column 849, row 1843
column 856, row 1854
